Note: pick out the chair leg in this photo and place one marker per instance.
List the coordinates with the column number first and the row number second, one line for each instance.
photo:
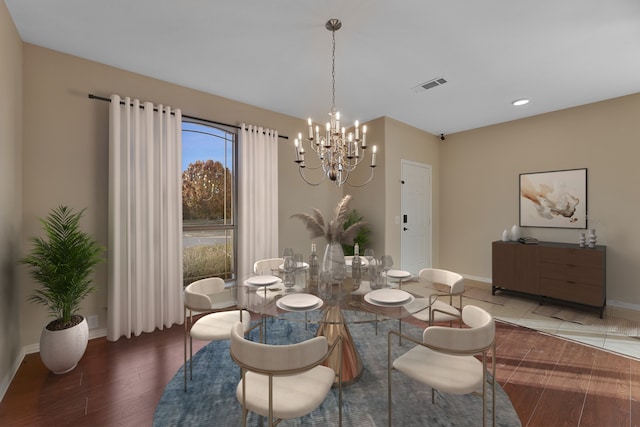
column 389, row 398
column 484, row 402
column 244, row 416
column 190, row 358
column 184, row 367
column 389, row 371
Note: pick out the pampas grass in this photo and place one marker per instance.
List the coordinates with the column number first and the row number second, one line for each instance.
column 334, row 230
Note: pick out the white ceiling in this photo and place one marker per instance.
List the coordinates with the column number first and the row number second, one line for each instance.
column 276, row 54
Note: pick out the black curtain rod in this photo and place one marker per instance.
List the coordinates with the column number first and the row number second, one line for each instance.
column 102, row 98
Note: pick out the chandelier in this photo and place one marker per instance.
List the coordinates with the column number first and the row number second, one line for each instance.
column 339, row 153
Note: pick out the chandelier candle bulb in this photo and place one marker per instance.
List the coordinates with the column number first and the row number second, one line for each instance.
column 364, row 136
column 295, row 143
column 373, row 156
column 338, row 120
column 357, row 130
column 310, row 129
column 327, row 139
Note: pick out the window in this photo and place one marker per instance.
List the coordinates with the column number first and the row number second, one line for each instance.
column 208, row 201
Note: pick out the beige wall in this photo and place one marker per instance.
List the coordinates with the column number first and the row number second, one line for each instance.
column 369, row 200
column 479, row 186
column 65, row 153
column 10, row 195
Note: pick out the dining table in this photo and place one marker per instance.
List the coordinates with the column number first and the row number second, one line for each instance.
column 334, row 305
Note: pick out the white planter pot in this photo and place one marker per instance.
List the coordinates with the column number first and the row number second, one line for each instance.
column 61, row 351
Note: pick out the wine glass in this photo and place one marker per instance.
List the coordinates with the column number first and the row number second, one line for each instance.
column 289, row 272
column 387, row 263
column 299, row 273
column 369, row 254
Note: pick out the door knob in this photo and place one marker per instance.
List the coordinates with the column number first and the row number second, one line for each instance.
column 405, row 228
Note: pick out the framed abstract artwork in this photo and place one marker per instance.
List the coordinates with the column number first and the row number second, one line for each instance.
column 556, row 199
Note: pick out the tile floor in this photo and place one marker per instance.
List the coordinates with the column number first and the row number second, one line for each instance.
column 519, row 310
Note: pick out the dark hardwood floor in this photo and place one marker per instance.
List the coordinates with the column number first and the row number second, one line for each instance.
column 551, row 382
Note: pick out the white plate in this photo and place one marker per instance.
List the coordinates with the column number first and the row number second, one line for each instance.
column 363, row 261
column 398, row 274
column 262, row 280
column 299, row 301
column 282, row 306
column 299, row 265
column 389, row 296
column 368, row 299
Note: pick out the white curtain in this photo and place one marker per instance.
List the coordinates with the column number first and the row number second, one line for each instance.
column 145, row 218
column 258, row 197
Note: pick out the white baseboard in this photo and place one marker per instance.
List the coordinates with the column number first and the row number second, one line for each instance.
column 6, row 381
column 621, row 304
column 478, row 278
column 97, row 333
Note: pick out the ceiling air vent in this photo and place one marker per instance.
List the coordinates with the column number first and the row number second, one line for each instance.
column 439, row 81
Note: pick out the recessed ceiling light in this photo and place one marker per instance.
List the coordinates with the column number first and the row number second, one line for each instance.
column 519, row 102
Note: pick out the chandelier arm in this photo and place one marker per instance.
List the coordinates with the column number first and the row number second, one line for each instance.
column 364, row 183
column 312, row 167
column 318, row 166
column 309, row 182
column 351, row 164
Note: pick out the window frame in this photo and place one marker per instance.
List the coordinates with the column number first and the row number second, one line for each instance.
column 229, row 276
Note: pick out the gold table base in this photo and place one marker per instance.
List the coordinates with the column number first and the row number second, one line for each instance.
column 332, row 326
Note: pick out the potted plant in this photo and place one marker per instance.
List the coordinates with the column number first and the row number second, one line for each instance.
column 361, row 237
column 63, row 264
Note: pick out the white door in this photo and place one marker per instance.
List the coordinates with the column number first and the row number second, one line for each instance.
column 415, row 217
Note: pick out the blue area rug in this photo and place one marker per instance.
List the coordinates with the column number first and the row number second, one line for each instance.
column 210, row 399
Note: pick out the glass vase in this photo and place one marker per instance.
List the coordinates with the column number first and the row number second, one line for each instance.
column 333, row 264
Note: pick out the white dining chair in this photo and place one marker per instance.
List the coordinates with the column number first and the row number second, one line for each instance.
column 213, row 297
column 284, row 381
column 446, row 359
column 267, row 266
column 450, row 285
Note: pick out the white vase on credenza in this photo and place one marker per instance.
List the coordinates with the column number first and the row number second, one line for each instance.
column 591, row 238
column 505, row 235
column 515, row 233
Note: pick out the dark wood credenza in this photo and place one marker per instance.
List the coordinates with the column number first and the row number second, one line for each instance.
column 559, row 271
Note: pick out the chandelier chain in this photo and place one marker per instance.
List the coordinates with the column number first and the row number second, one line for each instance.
column 333, row 70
